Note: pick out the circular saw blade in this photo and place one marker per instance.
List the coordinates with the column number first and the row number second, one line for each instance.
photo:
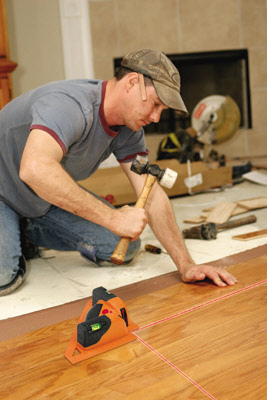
column 224, row 114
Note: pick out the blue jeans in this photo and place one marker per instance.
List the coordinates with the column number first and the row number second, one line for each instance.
column 57, row 230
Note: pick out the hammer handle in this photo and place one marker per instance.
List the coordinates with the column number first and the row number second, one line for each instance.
column 237, row 222
column 150, row 180
column 122, row 247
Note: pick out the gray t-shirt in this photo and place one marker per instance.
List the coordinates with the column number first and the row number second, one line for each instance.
column 72, row 113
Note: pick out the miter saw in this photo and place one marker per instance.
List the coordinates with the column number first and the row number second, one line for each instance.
column 215, row 119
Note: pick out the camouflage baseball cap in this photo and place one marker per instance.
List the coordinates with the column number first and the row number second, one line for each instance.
column 165, row 76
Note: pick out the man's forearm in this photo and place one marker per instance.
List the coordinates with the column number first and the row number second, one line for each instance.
column 53, row 184
column 163, row 223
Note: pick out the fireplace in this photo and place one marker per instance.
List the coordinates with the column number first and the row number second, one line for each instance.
column 204, row 74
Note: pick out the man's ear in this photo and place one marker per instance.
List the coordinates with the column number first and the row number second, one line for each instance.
column 131, row 80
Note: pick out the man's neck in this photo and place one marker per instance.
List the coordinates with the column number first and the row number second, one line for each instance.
column 112, row 103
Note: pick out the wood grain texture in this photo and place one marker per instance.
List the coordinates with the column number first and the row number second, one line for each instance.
column 22, row 324
column 221, row 213
column 220, row 346
column 251, row 235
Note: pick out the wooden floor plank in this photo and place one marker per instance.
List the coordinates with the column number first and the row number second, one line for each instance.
column 166, row 302
column 251, row 235
column 218, row 343
column 22, row 324
column 121, row 373
column 223, row 342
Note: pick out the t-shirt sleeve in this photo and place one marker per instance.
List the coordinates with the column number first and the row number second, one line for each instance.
column 129, row 145
column 60, row 116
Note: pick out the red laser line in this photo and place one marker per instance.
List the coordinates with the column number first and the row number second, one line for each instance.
column 181, row 313
column 199, row 306
column 174, row 367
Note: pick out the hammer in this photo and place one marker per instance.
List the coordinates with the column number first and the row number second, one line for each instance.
column 209, row 231
column 166, row 177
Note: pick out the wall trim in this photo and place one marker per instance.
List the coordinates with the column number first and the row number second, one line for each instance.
column 76, row 39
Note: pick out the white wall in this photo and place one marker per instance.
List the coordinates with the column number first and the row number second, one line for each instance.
column 35, row 42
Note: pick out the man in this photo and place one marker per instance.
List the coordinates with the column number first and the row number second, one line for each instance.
column 59, row 133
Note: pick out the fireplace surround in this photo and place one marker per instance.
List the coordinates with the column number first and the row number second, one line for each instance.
column 204, row 74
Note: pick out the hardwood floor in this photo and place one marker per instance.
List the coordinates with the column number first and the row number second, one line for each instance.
column 194, row 341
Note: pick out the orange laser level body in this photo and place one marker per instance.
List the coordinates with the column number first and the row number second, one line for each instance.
column 104, row 324
column 107, row 310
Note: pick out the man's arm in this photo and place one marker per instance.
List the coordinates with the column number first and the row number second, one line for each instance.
column 163, row 223
column 41, row 169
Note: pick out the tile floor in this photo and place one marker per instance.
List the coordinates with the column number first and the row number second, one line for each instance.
column 67, row 276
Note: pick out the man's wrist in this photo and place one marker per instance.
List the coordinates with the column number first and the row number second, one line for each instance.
column 184, row 265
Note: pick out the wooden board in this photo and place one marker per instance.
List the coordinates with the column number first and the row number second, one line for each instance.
column 112, row 183
column 251, row 235
column 195, row 341
column 221, row 213
column 252, row 204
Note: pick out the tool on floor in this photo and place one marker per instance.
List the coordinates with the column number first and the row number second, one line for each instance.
column 154, row 249
column 103, row 325
column 166, row 177
column 209, row 230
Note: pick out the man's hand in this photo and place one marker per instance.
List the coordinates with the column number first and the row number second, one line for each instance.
column 219, row 276
column 129, row 222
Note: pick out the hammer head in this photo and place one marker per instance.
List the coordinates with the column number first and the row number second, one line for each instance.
column 166, row 177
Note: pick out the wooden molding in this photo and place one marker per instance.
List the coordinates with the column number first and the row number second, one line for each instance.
column 6, row 65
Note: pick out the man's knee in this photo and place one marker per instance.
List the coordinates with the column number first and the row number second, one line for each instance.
column 133, row 249
column 103, row 252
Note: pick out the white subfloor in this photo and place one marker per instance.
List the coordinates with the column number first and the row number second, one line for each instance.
column 67, row 276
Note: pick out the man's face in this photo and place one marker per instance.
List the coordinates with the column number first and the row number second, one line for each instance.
column 141, row 112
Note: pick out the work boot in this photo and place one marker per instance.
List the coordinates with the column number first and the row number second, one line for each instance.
column 28, row 249
column 17, row 281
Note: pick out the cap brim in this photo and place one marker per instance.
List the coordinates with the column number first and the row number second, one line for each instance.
column 171, row 98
